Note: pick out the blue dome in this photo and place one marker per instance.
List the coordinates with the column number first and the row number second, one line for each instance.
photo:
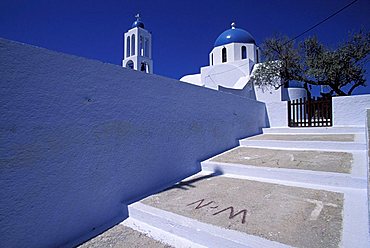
column 234, row 35
column 137, row 24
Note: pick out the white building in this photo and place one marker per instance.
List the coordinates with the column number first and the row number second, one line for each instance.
column 231, row 64
column 138, row 48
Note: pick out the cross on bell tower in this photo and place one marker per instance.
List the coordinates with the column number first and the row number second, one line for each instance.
column 138, row 48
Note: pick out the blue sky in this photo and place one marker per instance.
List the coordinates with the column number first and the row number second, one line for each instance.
column 183, row 31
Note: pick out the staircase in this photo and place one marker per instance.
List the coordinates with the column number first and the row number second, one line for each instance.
column 304, row 187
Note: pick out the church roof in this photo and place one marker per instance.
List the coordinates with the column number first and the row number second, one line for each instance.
column 234, row 35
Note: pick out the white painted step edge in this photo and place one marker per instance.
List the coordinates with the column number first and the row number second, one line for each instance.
column 152, row 220
column 358, row 137
column 306, row 145
column 316, row 130
column 310, row 178
column 159, row 234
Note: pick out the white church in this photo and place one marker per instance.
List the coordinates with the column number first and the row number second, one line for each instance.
column 231, row 63
column 102, row 137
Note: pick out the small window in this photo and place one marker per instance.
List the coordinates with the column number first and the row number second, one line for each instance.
column 244, row 52
column 224, row 55
column 211, row 58
column 128, row 47
column 257, row 56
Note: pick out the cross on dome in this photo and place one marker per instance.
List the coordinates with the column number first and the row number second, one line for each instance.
column 138, row 23
column 233, row 25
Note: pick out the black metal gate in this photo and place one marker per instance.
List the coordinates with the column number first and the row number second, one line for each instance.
column 315, row 112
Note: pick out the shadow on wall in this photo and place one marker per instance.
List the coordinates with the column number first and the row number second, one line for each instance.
column 81, row 139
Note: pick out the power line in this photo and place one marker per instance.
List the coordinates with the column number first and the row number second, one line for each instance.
column 319, row 23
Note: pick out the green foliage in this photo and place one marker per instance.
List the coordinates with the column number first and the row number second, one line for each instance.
column 312, row 63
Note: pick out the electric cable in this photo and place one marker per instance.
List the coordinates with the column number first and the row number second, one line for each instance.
column 321, row 22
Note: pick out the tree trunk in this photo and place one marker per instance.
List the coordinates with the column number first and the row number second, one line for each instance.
column 305, row 86
column 338, row 91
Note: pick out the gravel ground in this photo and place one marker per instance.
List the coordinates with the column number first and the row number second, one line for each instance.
column 121, row 236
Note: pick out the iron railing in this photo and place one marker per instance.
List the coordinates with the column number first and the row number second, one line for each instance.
column 315, row 112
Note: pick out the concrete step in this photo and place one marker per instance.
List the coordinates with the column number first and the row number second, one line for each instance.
column 333, row 142
column 303, row 178
column 180, row 231
column 232, row 210
column 330, row 168
column 317, row 130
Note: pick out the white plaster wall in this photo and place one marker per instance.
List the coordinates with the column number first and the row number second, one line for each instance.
column 195, row 79
column 233, row 53
column 81, row 139
column 277, row 114
column 350, row 110
column 217, row 53
column 247, row 91
column 268, row 94
column 226, row 74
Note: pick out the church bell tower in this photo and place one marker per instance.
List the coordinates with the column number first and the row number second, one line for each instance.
column 138, row 48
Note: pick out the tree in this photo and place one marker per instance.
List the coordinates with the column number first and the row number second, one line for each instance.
column 312, row 63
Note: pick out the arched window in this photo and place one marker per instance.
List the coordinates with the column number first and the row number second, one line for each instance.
column 244, row 52
column 130, row 64
column 224, row 55
column 148, row 52
column 128, row 46
column 133, row 44
column 146, row 47
column 144, row 67
column 141, row 46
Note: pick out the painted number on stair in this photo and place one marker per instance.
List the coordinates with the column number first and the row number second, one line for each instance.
column 212, row 205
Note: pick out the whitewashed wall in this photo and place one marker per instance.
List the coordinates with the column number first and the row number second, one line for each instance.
column 350, row 110
column 227, row 74
column 277, row 114
column 268, row 94
column 81, row 139
column 233, row 53
column 192, row 79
